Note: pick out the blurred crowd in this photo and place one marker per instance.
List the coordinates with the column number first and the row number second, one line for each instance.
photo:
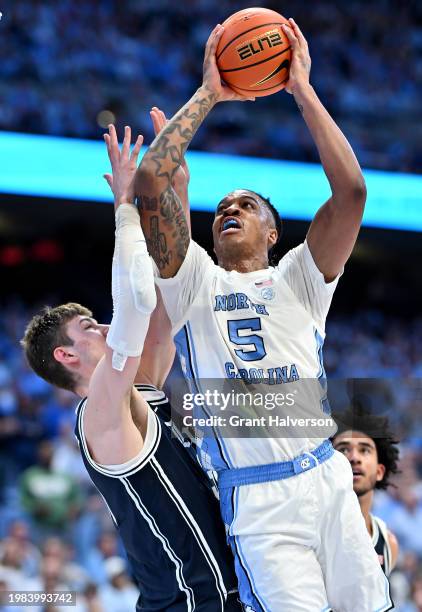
column 62, row 64
column 55, row 531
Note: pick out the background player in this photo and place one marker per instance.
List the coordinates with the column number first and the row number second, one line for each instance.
column 168, row 520
column 291, row 519
column 369, row 445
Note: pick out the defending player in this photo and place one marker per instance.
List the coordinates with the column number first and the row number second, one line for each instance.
column 168, row 520
column 293, row 520
column 370, row 447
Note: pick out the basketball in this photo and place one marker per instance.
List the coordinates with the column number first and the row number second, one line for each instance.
column 253, row 54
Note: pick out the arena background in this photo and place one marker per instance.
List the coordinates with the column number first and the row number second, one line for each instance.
column 62, row 65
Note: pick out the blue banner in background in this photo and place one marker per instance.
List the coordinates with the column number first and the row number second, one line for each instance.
column 73, row 169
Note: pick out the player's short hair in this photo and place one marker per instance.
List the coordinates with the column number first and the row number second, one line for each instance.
column 45, row 332
column 274, row 253
column 377, row 428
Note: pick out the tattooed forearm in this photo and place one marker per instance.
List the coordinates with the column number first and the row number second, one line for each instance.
column 167, row 233
column 157, row 244
column 173, row 216
column 146, row 203
column 168, row 149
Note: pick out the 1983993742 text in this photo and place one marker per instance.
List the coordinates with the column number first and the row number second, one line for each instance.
column 30, row 598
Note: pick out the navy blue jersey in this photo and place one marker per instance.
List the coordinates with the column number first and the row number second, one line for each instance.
column 382, row 544
column 168, row 519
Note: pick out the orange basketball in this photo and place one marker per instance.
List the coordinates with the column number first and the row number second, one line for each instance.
column 253, row 54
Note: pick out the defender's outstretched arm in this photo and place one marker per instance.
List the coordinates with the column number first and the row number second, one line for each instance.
column 334, row 230
column 109, row 424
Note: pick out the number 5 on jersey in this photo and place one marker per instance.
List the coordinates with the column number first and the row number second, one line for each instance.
column 246, row 325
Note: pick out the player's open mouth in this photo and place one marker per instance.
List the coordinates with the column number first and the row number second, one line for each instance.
column 357, row 474
column 230, row 224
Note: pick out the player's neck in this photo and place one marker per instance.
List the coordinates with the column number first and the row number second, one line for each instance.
column 82, row 385
column 82, row 390
column 365, row 502
column 248, row 264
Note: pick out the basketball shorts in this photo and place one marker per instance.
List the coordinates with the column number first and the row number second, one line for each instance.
column 301, row 544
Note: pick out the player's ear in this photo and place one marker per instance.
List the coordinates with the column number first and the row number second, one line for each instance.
column 380, row 472
column 272, row 237
column 65, row 355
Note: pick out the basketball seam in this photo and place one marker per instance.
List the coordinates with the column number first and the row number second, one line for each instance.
column 272, row 74
column 263, row 25
column 264, row 89
column 257, row 63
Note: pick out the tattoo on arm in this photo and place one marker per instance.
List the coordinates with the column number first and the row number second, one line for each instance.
column 173, row 216
column 167, row 233
column 169, row 147
column 147, row 203
column 157, row 245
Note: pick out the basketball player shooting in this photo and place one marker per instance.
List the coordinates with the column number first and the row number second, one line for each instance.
column 293, row 520
column 367, row 442
column 158, row 498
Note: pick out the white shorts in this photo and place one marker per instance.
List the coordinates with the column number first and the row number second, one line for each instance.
column 301, row 544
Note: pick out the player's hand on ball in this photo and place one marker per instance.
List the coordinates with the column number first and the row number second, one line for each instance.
column 181, row 177
column 300, row 67
column 211, row 76
column 123, row 165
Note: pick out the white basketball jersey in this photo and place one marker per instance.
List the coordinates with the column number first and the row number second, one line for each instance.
column 264, row 328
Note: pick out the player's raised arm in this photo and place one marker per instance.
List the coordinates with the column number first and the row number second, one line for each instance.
column 181, row 177
column 159, row 349
column 334, row 230
column 111, row 396
column 163, row 219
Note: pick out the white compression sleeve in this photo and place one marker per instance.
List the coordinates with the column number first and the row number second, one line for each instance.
column 133, row 288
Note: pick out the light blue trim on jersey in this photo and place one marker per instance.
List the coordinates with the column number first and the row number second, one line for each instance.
column 322, row 376
column 182, row 347
column 269, row 472
column 389, row 601
column 192, row 346
column 224, row 452
column 203, row 455
column 210, row 452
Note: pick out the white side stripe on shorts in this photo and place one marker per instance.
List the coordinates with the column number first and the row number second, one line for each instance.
column 166, row 545
column 196, row 530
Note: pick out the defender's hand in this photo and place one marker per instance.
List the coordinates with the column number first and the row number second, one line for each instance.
column 123, row 165
column 211, row 76
column 300, row 67
column 181, row 177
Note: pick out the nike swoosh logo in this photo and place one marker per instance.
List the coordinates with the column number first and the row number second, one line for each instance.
column 285, row 64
